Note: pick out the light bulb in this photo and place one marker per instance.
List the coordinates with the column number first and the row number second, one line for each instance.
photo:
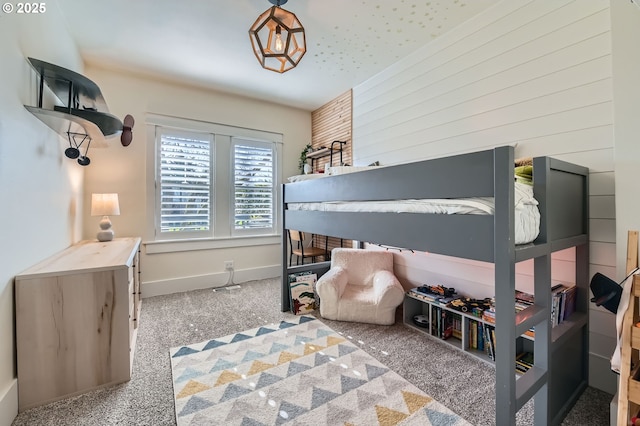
column 279, row 46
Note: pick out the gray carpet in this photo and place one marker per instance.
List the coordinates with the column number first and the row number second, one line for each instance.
column 457, row 380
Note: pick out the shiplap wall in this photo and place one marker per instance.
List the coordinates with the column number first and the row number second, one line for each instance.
column 534, row 74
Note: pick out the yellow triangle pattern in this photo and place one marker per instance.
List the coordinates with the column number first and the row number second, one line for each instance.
column 415, row 402
column 259, row 366
column 310, row 348
column 389, row 417
column 227, row 377
column 331, row 340
column 192, row 388
column 286, row 357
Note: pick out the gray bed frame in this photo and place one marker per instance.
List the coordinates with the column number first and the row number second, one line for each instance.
column 560, row 373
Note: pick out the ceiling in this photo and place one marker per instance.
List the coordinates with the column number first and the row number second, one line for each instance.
column 206, row 42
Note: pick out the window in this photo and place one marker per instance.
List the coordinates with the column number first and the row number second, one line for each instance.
column 214, row 182
column 184, row 183
column 253, row 186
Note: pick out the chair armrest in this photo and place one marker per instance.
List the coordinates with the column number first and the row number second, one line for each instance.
column 387, row 288
column 331, row 285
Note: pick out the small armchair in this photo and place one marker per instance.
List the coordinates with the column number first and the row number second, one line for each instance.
column 360, row 287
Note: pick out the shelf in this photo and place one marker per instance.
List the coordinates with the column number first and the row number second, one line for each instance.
column 559, row 334
column 322, row 152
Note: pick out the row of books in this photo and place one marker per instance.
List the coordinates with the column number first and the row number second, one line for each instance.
column 477, row 336
column 524, row 360
column 444, row 323
column 480, row 335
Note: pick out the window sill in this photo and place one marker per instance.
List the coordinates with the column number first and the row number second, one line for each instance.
column 171, row 246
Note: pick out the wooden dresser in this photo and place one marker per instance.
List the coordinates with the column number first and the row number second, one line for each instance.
column 76, row 320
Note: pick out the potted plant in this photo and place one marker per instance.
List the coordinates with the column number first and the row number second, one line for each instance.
column 303, row 158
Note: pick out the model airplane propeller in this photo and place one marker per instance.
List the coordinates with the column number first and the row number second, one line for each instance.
column 127, row 133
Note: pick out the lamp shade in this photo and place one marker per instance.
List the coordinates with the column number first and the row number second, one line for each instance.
column 278, row 39
column 105, row 205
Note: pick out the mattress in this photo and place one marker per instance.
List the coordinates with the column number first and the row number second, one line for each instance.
column 526, row 221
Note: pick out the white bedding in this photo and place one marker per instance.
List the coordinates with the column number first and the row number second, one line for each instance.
column 527, row 215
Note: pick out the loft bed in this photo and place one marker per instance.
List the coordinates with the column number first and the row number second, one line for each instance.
column 561, row 190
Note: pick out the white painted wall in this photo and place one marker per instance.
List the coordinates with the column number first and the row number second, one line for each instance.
column 40, row 189
column 126, row 171
column 534, row 74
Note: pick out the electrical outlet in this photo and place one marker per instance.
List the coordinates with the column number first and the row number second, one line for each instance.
column 228, row 264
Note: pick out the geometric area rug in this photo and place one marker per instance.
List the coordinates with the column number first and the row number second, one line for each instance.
column 299, row 372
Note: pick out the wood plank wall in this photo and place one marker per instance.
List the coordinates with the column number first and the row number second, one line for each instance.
column 333, row 122
column 534, row 74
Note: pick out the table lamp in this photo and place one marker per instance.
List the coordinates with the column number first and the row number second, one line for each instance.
column 105, row 205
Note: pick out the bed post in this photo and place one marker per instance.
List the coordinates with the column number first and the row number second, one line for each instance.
column 504, row 262
column 284, row 296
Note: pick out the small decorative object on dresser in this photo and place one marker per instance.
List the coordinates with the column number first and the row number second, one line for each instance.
column 105, row 205
column 76, row 320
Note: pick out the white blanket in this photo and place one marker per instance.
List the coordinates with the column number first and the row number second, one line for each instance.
column 527, row 215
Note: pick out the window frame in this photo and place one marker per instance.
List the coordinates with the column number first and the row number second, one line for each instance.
column 223, row 234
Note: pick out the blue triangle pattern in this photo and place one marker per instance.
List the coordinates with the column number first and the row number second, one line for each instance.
column 321, row 359
column 264, row 330
column 305, row 318
column 278, row 347
column 284, row 324
column 295, row 368
column 292, row 411
column 322, row 333
column 350, row 383
column 194, row 405
column 301, row 339
column 246, row 421
column 345, row 350
column 373, row 371
column 251, row 355
column 320, row 397
column 233, row 391
column 267, row 379
column 187, row 374
column 184, row 351
column 222, row 364
column 440, row 418
column 212, row 344
column 239, row 337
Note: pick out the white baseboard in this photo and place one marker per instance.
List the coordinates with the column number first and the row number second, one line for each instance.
column 198, row 282
column 9, row 404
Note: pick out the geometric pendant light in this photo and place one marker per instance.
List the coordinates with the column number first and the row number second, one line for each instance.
column 278, row 39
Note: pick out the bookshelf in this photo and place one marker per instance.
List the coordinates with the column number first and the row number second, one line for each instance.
column 471, row 325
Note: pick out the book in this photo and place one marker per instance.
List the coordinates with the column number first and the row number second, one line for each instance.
column 302, row 292
column 569, row 302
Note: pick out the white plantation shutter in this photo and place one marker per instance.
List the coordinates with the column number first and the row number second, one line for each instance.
column 185, row 182
column 254, row 186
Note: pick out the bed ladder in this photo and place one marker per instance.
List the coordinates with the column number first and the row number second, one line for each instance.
column 629, row 382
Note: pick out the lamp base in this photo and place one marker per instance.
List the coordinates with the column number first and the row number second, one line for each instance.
column 105, row 233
